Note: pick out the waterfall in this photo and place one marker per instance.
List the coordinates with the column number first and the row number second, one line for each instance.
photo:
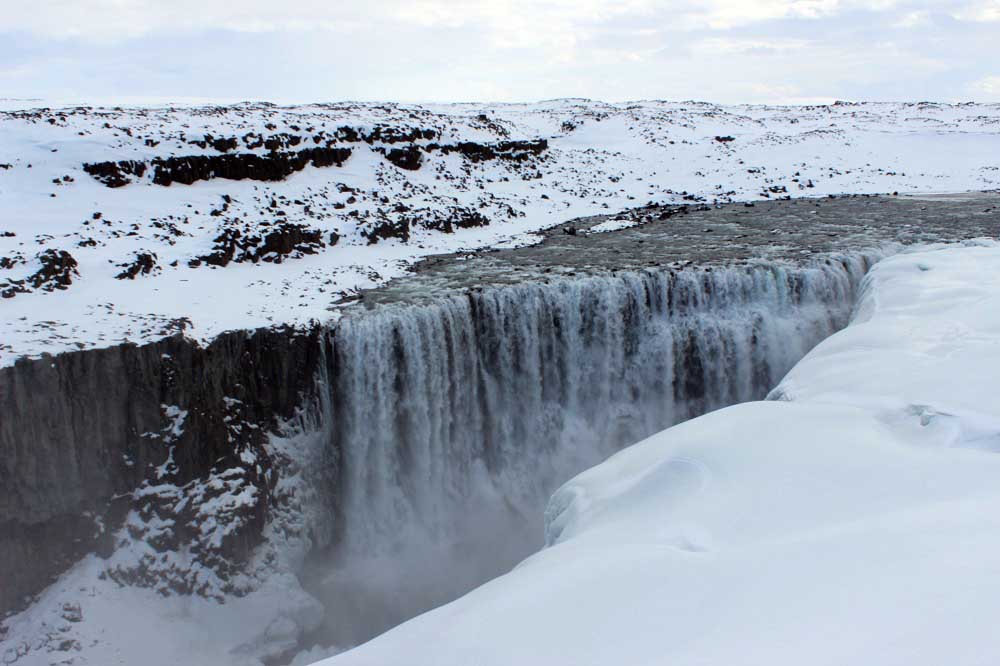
column 448, row 425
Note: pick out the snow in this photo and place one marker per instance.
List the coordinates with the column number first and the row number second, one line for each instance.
column 602, row 158
column 615, row 224
column 131, row 625
column 852, row 518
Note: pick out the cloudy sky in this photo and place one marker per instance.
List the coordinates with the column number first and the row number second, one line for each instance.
column 500, row 50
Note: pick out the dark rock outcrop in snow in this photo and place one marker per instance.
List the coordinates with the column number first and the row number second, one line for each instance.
column 271, row 167
column 143, row 264
column 116, row 174
column 516, row 151
column 57, row 271
column 409, row 158
column 385, row 229
column 190, row 169
column 284, row 240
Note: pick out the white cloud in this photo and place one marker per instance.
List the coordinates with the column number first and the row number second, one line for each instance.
column 721, row 50
column 984, row 11
column 989, row 86
column 515, row 20
column 913, row 19
column 735, row 46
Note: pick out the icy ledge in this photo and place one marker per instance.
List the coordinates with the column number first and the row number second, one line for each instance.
column 854, row 518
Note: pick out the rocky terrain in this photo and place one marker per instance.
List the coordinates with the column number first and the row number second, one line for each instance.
column 131, row 224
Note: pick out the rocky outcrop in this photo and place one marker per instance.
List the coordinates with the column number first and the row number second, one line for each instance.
column 409, row 158
column 274, row 166
column 280, row 162
column 57, row 271
column 284, row 240
column 143, row 264
column 93, row 439
column 384, row 229
column 244, row 166
column 116, row 174
column 446, row 221
column 395, row 134
column 516, row 151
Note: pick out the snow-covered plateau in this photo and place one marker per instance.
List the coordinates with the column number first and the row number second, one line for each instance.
column 851, row 518
column 275, row 380
column 129, row 224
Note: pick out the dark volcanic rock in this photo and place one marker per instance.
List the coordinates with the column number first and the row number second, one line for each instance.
column 238, row 166
column 389, row 134
column 409, row 158
column 516, row 151
column 57, row 271
column 82, row 432
column 143, row 264
column 222, row 144
column 448, row 220
column 284, row 240
column 116, row 174
column 385, row 229
column 287, row 239
column 243, row 166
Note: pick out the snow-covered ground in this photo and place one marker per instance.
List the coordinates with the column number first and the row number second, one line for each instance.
column 851, row 519
column 135, row 266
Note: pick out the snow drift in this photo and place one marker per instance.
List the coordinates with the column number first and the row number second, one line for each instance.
column 852, row 518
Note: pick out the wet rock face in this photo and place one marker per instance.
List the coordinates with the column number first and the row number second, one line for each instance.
column 92, row 439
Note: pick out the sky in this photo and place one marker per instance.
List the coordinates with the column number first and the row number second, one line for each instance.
column 728, row 51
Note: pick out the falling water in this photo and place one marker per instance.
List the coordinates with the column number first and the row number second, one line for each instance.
column 448, row 425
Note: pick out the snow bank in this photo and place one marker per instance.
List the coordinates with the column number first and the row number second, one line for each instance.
column 853, row 519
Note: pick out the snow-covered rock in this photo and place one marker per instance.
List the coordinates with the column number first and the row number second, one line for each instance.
column 133, row 224
column 853, row 518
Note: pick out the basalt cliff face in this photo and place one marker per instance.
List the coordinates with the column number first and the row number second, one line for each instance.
column 90, row 437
